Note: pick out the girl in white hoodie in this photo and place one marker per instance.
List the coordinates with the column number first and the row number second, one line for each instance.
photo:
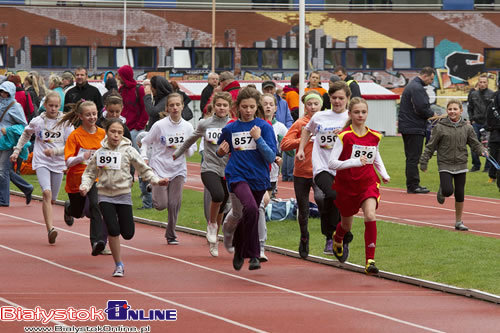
column 111, row 164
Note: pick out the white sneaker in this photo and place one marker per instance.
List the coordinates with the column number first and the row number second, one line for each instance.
column 212, row 232
column 228, row 239
column 119, row 271
column 263, row 257
column 214, row 249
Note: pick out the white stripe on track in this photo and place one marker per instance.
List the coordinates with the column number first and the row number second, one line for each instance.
column 137, row 291
column 20, row 306
column 286, row 290
column 439, row 208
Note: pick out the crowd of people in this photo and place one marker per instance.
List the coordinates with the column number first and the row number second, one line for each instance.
column 248, row 137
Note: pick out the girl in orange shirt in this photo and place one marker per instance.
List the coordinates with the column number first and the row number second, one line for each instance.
column 80, row 146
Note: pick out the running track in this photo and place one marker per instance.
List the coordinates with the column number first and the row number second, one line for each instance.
column 481, row 215
column 286, row 295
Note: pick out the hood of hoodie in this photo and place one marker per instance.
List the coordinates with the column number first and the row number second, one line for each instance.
column 447, row 122
column 106, row 74
column 124, row 143
column 127, row 76
column 10, row 88
column 162, row 86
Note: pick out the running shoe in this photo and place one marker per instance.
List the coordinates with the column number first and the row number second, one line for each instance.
column 338, row 251
column 460, row 226
column 28, row 197
column 214, row 249
column 237, row 261
column 304, row 247
column 173, row 241
column 228, row 239
column 254, row 264
column 119, row 271
column 67, row 216
column 440, row 197
column 52, row 236
column 211, row 232
column 263, row 257
column 370, row 267
column 98, row 247
column 106, row 251
column 328, row 247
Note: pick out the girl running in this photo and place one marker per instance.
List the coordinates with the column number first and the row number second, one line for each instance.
column 212, row 167
column 111, row 164
column 325, row 126
column 80, row 146
column 353, row 156
column 252, row 144
column 48, row 154
column 165, row 137
column 303, row 169
column 450, row 138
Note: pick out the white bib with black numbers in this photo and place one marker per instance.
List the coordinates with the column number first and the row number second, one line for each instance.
column 51, row 136
column 368, row 151
column 173, row 140
column 82, row 151
column 326, row 139
column 109, row 160
column 212, row 135
column 243, row 141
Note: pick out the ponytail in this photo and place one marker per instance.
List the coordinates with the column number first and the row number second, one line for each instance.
column 73, row 116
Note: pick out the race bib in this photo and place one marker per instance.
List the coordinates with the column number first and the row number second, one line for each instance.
column 109, row 160
column 243, row 141
column 326, row 139
column 51, row 136
column 212, row 135
column 172, row 140
column 368, row 151
column 82, row 151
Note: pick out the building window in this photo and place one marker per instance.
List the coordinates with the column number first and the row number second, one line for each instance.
column 355, row 58
column 492, row 58
column 3, row 49
column 202, row 58
column 136, row 57
column 270, row 58
column 412, row 58
column 59, row 56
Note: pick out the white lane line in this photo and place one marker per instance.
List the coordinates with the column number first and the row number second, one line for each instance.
column 468, row 197
column 6, row 301
column 137, row 291
column 439, row 208
column 286, row 290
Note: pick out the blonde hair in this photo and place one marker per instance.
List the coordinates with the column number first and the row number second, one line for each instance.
column 222, row 95
column 354, row 101
column 52, row 94
column 55, row 80
column 173, row 95
column 270, row 96
column 73, row 116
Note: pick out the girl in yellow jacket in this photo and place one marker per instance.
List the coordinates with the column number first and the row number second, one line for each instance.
column 111, row 164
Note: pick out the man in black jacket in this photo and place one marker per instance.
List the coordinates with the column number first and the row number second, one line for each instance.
column 83, row 90
column 353, row 85
column 414, row 110
column 478, row 100
column 213, row 82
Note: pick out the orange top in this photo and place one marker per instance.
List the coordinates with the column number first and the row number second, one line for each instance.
column 292, row 141
column 77, row 140
column 292, row 99
column 321, row 90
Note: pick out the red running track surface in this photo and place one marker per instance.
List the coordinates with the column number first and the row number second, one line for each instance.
column 286, row 295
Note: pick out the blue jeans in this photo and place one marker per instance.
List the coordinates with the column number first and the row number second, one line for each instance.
column 6, row 175
column 475, row 158
column 133, row 134
column 147, row 198
column 287, row 167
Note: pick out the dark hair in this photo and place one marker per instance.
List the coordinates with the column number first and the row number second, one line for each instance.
column 294, row 81
column 111, row 121
column 340, row 69
column 427, row 71
column 174, row 85
column 82, row 69
column 339, row 85
column 16, row 79
column 247, row 93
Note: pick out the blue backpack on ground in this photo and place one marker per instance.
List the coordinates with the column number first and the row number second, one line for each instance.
column 278, row 210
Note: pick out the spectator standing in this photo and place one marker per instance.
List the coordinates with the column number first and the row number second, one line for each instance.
column 291, row 93
column 155, row 99
column 82, row 90
column 22, row 97
column 229, row 84
column 112, row 87
column 212, row 83
column 31, row 86
column 67, row 81
column 55, row 84
column 414, row 110
column 477, row 102
column 493, row 125
column 315, row 83
column 326, row 98
column 353, row 85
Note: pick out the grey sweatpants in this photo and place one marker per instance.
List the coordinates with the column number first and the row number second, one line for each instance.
column 169, row 197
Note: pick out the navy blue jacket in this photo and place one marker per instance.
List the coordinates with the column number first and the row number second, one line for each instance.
column 414, row 108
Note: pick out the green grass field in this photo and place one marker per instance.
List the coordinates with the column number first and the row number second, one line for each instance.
column 459, row 259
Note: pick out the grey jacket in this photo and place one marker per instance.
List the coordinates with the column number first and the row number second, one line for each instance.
column 450, row 140
column 211, row 162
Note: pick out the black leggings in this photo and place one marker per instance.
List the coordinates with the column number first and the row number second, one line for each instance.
column 217, row 187
column 302, row 187
column 118, row 219
column 446, row 182
column 330, row 215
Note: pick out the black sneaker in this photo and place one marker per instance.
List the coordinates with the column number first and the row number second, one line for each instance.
column 304, row 247
column 28, row 197
column 98, row 247
column 238, row 261
column 254, row 264
column 67, row 216
column 440, row 196
column 370, row 267
column 475, row 168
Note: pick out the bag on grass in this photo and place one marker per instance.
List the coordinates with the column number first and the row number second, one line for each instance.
column 278, row 210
